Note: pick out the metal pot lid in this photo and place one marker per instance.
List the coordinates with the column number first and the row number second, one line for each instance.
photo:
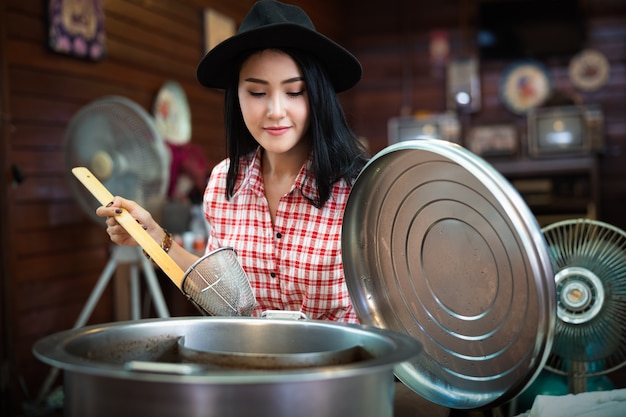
column 438, row 245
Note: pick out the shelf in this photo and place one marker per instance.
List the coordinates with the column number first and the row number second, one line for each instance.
column 555, row 188
column 541, row 167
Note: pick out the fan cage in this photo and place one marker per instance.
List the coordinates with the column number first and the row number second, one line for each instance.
column 592, row 256
column 118, row 141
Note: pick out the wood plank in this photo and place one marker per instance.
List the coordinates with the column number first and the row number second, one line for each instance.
column 25, row 26
column 128, row 32
column 39, row 214
column 605, row 8
column 28, row 55
column 39, row 322
column 180, row 11
column 52, row 266
column 26, row 135
column 84, row 89
column 70, row 289
column 150, row 60
column 44, row 241
column 152, row 21
column 234, row 9
column 41, row 109
column 31, row 7
column 38, row 162
column 46, row 188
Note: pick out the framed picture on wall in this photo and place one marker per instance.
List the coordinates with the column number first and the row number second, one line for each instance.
column 217, row 27
column 76, row 28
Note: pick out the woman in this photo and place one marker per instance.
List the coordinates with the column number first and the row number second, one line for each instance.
column 279, row 198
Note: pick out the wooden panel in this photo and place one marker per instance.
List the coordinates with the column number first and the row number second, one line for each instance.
column 149, row 60
column 70, row 289
column 54, row 214
column 153, row 22
column 35, row 242
column 41, row 109
column 34, row 82
column 25, row 136
column 51, row 266
column 38, row 162
column 125, row 31
column 28, row 55
column 34, row 189
column 38, row 322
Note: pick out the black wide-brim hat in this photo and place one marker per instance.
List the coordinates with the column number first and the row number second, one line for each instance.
column 271, row 24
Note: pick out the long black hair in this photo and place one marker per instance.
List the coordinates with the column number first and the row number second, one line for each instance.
column 337, row 152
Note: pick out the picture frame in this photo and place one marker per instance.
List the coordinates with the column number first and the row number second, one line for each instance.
column 493, row 140
column 217, row 28
column 76, row 28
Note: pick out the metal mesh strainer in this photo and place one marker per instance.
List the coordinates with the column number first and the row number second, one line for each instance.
column 218, row 286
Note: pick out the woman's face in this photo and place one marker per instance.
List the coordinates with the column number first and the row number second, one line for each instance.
column 273, row 100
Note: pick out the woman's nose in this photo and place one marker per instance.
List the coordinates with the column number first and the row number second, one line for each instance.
column 276, row 107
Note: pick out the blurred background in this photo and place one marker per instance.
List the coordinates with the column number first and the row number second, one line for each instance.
column 537, row 88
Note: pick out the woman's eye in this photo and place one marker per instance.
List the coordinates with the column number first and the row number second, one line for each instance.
column 296, row 93
column 256, row 94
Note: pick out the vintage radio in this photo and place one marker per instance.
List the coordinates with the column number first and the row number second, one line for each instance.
column 565, row 130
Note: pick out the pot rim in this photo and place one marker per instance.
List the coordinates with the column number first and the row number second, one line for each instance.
column 54, row 351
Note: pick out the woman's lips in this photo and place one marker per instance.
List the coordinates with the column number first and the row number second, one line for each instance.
column 276, row 131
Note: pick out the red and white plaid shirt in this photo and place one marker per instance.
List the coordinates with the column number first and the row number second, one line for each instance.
column 294, row 265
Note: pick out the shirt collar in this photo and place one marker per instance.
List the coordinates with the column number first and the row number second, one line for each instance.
column 251, row 177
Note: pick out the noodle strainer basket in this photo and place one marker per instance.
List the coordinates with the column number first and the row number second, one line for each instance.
column 218, row 286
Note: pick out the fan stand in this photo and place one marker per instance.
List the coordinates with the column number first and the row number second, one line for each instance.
column 121, row 255
column 582, row 298
column 126, row 255
column 577, row 379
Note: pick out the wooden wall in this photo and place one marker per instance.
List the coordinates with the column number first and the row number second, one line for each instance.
column 392, row 43
column 53, row 253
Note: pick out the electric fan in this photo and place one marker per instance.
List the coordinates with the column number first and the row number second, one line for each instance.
column 589, row 261
column 117, row 140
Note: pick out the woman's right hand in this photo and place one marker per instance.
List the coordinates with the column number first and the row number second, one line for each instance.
column 116, row 232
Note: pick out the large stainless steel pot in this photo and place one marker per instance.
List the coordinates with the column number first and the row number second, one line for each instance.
column 136, row 368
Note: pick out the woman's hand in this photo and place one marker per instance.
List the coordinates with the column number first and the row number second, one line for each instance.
column 116, row 232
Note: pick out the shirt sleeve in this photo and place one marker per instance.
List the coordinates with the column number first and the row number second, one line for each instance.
column 215, row 197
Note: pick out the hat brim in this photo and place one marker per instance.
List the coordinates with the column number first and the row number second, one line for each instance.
column 343, row 67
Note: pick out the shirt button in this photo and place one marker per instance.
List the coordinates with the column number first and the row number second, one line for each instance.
column 273, row 274
column 279, row 235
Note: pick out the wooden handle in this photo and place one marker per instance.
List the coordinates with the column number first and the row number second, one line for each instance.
column 143, row 238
